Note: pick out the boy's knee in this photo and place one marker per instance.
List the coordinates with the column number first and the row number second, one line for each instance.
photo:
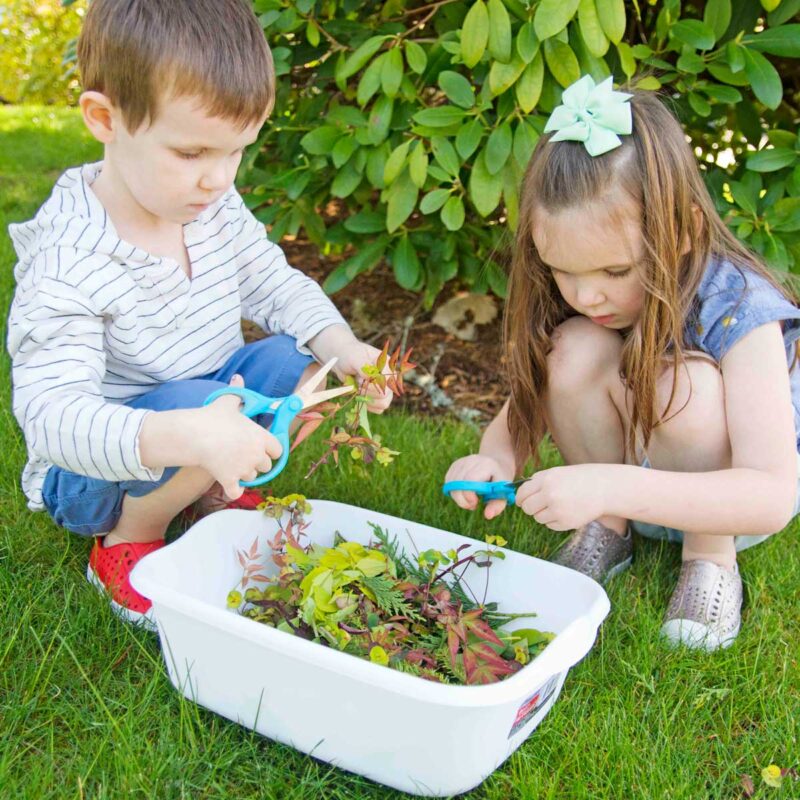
column 581, row 351
column 178, row 395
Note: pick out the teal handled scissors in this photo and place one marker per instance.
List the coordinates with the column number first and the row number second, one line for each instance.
column 285, row 409
column 487, row 490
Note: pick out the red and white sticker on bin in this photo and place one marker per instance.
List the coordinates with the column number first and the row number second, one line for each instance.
column 533, row 704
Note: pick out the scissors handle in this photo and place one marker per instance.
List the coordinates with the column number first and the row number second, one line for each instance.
column 488, row 490
column 254, row 404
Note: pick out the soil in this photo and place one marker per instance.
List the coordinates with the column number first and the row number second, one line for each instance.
column 469, row 372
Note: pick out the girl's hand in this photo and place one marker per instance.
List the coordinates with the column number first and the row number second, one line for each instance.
column 565, row 498
column 478, row 468
column 233, row 447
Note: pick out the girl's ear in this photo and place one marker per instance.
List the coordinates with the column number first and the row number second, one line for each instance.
column 99, row 116
column 698, row 226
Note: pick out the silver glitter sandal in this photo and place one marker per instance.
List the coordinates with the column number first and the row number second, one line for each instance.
column 596, row 551
column 705, row 610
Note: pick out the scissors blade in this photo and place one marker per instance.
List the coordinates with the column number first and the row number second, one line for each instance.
column 312, row 398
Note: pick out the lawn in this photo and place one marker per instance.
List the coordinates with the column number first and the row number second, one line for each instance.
column 87, row 711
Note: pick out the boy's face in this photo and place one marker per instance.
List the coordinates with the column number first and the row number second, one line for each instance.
column 595, row 252
column 181, row 163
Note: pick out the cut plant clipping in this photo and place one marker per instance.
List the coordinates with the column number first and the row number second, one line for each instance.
column 414, row 613
column 461, row 314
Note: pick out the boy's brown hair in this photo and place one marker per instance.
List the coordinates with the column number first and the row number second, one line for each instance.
column 140, row 52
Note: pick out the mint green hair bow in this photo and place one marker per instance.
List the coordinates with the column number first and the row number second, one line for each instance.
column 593, row 114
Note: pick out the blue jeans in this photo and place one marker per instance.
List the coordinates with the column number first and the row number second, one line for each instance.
column 92, row 506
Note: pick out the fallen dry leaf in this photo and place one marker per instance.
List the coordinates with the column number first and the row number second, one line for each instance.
column 748, row 787
column 461, row 314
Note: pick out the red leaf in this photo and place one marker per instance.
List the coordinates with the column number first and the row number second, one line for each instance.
column 243, row 563
column 480, row 628
column 381, row 362
column 305, row 431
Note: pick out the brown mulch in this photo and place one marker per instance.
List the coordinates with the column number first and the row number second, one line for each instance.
column 471, row 373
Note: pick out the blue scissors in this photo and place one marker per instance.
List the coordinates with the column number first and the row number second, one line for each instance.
column 487, row 490
column 285, row 409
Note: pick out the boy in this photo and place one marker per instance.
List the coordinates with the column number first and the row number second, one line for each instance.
column 132, row 281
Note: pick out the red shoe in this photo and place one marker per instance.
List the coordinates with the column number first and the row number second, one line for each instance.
column 109, row 569
column 250, row 500
column 214, row 500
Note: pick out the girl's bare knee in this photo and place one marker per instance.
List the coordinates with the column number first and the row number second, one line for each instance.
column 582, row 351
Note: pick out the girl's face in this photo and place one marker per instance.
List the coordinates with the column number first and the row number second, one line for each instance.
column 595, row 253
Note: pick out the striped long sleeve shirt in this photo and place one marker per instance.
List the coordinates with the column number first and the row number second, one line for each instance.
column 96, row 321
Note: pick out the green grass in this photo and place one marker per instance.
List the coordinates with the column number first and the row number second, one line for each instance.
column 87, row 711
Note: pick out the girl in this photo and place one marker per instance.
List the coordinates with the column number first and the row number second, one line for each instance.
column 657, row 352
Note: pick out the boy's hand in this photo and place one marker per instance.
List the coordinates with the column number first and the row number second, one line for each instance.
column 338, row 341
column 233, row 447
column 565, row 498
column 478, row 468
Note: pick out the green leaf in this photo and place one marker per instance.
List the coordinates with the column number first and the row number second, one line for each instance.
column 529, row 86
column 346, row 181
column 784, row 216
column 525, row 138
column 734, row 52
column 786, row 10
column 649, row 82
column 380, row 118
column 446, row 155
column 434, row 200
column 366, row 221
column 402, row 200
column 360, row 56
column 396, row 162
column 457, row 88
column 723, row 94
column 439, row 117
column 511, row 194
column 366, row 258
column 453, row 214
column 591, row 30
column 484, row 188
column 763, row 78
column 699, row 104
column 552, row 17
column 612, row 18
column 690, row 62
column 499, row 31
column 370, row 81
column 342, row 150
column 320, row 141
column 392, row 72
column 694, row 32
column 783, row 41
column 771, row 159
column 562, row 62
column 498, row 148
column 468, row 138
column 418, row 165
column 475, row 34
column 745, row 196
column 723, row 73
column 503, row 76
column 415, row 55
column 405, row 264
column 626, row 59
column 717, row 15
column 527, row 42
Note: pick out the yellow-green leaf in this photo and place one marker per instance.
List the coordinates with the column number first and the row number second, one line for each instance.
column 626, row 59
column 527, row 42
column 484, row 188
column 562, row 62
column 552, row 17
column 475, row 34
column 499, row 31
column 770, row 5
column 503, row 76
column 591, row 30
column 418, row 166
column 392, row 72
column 377, row 655
column 529, row 85
column 650, row 82
column 612, row 18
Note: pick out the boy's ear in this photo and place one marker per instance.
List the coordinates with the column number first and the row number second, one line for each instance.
column 99, row 116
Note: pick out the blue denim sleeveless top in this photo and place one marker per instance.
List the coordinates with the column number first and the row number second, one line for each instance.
column 730, row 302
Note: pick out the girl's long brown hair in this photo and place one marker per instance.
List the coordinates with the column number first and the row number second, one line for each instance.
column 656, row 168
